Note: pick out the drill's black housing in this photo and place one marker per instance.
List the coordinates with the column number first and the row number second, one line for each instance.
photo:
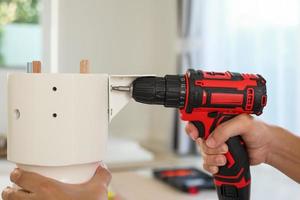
column 168, row 91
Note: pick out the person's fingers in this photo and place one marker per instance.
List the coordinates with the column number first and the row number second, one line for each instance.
column 211, row 169
column 15, row 194
column 5, row 193
column 236, row 126
column 192, row 131
column 222, row 149
column 214, row 160
column 28, row 180
column 102, row 176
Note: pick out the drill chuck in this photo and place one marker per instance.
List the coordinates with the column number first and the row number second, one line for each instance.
column 169, row 91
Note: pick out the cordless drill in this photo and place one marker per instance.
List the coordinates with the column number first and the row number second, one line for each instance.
column 208, row 99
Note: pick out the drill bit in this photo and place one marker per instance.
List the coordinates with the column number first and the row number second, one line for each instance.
column 122, row 88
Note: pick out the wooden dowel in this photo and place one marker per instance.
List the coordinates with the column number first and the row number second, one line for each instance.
column 84, row 67
column 36, row 66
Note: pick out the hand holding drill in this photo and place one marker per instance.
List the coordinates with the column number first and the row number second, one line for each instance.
column 256, row 134
column 265, row 143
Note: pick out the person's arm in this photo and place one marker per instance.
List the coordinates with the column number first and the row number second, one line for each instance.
column 265, row 144
column 285, row 153
column 37, row 187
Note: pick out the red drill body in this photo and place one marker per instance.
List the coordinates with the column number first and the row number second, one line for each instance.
column 208, row 99
column 210, row 93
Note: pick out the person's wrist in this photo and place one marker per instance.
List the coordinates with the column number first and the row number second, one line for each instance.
column 274, row 144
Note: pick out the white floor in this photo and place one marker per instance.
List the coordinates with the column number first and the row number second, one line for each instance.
column 267, row 183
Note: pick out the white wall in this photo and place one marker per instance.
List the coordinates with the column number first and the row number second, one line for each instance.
column 123, row 37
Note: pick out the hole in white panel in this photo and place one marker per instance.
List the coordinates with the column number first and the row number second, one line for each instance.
column 54, row 115
column 17, row 113
column 54, row 89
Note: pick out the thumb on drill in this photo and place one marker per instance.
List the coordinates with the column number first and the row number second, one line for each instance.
column 237, row 126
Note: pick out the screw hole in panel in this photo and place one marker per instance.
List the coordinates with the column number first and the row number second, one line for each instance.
column 54, row 115
column 54, row 89
column 17, row 114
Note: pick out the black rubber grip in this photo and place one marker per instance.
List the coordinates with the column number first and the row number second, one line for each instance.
column 235, row 176
column 233, row 179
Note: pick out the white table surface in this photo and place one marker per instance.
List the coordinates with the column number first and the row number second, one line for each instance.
column 267, row 183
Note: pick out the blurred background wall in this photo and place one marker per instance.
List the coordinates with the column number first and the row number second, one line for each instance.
column 119, row 37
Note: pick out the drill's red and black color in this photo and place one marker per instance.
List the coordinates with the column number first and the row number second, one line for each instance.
column 208, row 99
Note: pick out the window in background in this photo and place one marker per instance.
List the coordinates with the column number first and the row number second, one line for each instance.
column 20, row 32
column 257, row 36
column 252, row 36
